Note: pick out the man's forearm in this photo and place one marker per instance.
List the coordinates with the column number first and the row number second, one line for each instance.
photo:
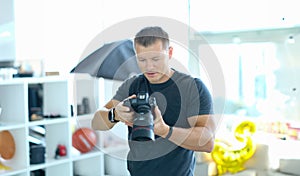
column 100, row 121
column 195, row 138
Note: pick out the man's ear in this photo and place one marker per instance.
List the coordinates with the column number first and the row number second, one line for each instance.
column 170, row 52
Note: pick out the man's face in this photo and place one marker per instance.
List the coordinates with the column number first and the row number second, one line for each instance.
column 153, row 61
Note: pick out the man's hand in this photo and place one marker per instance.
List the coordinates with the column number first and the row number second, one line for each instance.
column 124, row 113
column 160, row 127
column 199, row 137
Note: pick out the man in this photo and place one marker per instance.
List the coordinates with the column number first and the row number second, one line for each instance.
column 182, row 118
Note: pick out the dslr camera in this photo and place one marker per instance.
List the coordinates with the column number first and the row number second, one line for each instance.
column 143, row 121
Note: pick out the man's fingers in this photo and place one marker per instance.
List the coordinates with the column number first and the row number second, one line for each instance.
column 124, row 109
column 156, row 114
column 132, row 96
column 129, row 124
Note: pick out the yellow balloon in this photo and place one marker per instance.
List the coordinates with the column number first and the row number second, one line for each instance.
column 230, row 159
column 3, row 167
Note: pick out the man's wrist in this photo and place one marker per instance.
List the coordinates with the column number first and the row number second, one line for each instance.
column 169, row 133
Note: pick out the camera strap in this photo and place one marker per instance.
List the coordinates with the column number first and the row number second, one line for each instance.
column 142, row 84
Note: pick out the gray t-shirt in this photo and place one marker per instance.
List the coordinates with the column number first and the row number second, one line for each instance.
column 179, row 98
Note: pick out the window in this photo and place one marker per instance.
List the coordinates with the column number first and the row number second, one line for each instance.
column 248, row 73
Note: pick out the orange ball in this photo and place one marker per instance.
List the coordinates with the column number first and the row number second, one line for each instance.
column 84, row 139
column 7, row 145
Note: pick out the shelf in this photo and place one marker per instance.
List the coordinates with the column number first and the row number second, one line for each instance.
column 17, row 162
column 94, row 165
column 14, row 172
column 49, row 162
column 81, row 156
column 54, row 96
column 34, row 80
column 10, row 125
column 48, row 121
column 13, row 103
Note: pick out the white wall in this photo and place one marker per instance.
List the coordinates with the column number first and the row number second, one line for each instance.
column 55, row 31
column 58, row 31
column 7, row 36
column 243, row 15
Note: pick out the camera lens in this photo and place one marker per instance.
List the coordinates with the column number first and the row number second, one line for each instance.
column 143, row 128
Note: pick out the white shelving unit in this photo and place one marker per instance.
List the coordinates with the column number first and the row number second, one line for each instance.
column 86, row 87
column 57, row 99
column 112, row 143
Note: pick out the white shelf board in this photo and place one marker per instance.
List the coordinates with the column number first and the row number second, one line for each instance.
column 49, row 162
column 13, row 172
column 48, row 121
column 33, row 80
column 90, row 154
column 10, row 126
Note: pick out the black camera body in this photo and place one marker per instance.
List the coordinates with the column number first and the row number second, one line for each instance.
column 143, row 122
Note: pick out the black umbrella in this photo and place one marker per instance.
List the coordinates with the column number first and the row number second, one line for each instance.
column 114, row 60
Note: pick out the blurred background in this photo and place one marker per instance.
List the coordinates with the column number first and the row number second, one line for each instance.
column 256, row 43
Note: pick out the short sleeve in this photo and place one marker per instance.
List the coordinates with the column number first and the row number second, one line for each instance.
column 123, row 90
column 200, row 99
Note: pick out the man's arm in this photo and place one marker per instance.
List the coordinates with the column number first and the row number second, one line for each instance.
column 100, row 120
column 122, row 113
column 200, row 137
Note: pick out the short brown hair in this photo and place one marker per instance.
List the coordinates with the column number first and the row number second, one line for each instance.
column 149, row 35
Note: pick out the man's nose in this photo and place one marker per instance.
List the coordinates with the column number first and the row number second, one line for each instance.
column 149, row 64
